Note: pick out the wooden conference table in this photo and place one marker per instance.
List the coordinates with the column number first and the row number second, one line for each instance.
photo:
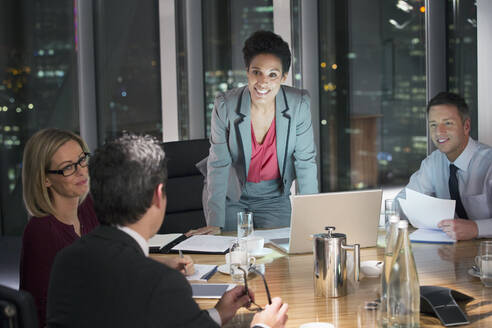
column 291, row 278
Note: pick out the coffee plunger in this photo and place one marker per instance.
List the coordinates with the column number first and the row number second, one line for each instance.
column 330, row 270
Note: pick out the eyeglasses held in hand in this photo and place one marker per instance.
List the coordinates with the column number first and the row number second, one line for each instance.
column 245, row 277
column 72, row 168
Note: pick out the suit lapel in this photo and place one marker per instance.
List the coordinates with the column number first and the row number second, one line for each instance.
column 282, row 122
column 244, row 126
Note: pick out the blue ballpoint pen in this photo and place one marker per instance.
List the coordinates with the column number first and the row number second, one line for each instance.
column 181, row 256
column 209, row 274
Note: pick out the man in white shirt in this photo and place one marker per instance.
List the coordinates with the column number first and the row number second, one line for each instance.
column 106, row 279
column 460, row 169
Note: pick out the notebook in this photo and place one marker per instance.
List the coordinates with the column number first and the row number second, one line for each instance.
column 162, row 243
column 353, row 213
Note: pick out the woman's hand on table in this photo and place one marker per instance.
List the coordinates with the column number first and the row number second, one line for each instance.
column 207, row 230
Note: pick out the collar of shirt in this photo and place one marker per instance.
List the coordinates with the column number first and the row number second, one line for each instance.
column 138, row 238
column 465, row 157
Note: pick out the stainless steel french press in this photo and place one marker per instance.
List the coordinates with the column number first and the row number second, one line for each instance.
column 330, row 270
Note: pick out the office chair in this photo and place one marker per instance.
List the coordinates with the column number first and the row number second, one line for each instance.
column 17, row 309
column 184, row 186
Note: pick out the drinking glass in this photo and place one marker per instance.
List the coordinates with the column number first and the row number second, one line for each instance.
column 244, row 224
column 390, row 209
column 486, row 262
column 238, row 258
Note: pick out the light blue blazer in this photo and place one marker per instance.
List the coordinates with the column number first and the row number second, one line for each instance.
column 230, row 147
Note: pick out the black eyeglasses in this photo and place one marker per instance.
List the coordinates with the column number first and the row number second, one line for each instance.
column 72, row 168
column 245, row 277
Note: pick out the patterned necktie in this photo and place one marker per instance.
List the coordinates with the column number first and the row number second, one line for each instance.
column 454, row 192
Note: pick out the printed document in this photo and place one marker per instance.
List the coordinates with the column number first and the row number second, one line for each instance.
column 425, row 212
column 205, row 244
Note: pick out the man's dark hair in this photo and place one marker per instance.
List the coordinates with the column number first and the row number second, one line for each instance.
column 266, row 42
column 123, row 176
column 450, row 98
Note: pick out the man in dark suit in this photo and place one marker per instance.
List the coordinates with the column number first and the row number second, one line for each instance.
column 105, row 279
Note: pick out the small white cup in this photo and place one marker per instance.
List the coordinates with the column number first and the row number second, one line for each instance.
column 238, row 258
column 248, row 262
column 254, row 243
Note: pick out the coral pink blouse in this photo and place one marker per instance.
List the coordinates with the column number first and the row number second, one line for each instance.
column 264, row 163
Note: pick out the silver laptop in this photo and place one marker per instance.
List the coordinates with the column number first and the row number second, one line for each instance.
column 354, row 213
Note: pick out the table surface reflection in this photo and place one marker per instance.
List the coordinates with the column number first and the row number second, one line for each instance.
column 291, row 278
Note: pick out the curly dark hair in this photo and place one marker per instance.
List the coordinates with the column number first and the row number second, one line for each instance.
column 266, row 42
column 450, row 98
column 124, row 174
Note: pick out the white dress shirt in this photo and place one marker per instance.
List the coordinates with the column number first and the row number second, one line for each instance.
column 144, row 245
column 474, row 179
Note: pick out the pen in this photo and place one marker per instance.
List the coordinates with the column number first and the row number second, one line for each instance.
column 209, row 274
column 181, row 257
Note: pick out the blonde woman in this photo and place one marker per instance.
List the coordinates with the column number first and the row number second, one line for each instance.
column 55, row 181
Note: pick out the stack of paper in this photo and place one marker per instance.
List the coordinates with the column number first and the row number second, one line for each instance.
column 425, row 212
column 205, row 244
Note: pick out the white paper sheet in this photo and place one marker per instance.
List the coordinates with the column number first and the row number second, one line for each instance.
column 425, row 211
column 431, row 236
column 205, row 244
column 200, row 271
column 163, row 239
column 273, row 233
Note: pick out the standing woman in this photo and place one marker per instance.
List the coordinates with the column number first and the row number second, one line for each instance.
column 261, row 140
column 55, row 183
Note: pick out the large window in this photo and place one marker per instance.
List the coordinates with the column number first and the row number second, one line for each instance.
column 38, row 88
column 462, row 53
column 372, row 92
column 226, row 25
column 127, row 67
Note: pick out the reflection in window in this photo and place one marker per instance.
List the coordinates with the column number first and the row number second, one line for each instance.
column 38, row 83
column 462, row 54
column 127, row 67
column 372, row 92
column 226, row 25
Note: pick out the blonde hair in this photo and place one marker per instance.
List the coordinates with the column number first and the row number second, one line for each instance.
column 38, row 153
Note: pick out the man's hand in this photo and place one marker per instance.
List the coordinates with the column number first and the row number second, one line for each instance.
column 274, row 315
column 182, row 264
column 459, row 229
column 231, row 301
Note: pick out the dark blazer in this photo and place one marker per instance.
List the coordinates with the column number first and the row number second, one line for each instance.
column 105, row 280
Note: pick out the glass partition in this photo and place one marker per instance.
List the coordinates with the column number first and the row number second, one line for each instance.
column 38, row 89
column 372, row 92
column 126, row 35
column 462, row 54
column 226, row 25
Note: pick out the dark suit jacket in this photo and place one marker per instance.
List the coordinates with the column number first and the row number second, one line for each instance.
column 105, row 280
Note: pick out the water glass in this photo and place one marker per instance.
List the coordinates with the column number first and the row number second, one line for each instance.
column 238, row 257
column 486, row 262
column 244, row 224
column 390, row 209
